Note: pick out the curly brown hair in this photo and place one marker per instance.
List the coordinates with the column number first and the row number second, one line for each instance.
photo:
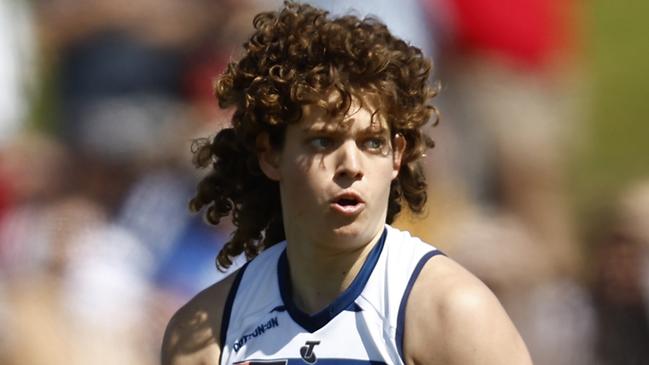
column 295, row 57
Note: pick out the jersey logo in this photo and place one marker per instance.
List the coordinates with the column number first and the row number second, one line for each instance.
column 307, row 353
column 259, row 330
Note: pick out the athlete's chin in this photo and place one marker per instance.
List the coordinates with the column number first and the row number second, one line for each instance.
column 352, row 231
column 349, row 231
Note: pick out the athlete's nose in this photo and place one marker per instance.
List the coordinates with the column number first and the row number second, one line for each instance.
column 349, row 161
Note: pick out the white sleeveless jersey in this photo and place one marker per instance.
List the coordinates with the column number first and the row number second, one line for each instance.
column 364, row 325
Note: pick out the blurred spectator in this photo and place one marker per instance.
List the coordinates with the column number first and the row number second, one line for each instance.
column 95, row 238
column 510, row 106
column 18, row 79
column 621, row 304
column 528, row 33
column 35, row 169
column 17, row 67
column 621, row 274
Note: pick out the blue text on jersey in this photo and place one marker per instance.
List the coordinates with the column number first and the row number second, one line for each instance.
column 260, row 330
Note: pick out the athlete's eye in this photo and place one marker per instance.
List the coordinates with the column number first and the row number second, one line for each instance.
column 374, row 144
column 321, row 143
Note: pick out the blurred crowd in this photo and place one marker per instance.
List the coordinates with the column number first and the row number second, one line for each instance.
column 100, row 102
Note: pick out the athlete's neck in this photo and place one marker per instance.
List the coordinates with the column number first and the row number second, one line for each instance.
column 319, row 273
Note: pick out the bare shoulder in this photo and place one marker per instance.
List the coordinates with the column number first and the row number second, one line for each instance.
column 193, row 333
column 453, row 318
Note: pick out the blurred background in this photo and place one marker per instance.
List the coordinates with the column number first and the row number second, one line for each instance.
column 539, row 181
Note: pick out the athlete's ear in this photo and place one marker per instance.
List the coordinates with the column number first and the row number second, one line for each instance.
column 268, row 157
column 398, row 147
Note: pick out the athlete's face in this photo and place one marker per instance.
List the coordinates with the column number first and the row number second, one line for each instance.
column 335, row 177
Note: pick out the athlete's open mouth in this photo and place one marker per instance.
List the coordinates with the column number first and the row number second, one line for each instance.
column 347, row 202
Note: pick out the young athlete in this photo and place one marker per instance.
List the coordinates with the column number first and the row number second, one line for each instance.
column 323, row 150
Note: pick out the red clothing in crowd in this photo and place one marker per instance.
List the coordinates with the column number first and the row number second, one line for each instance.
column 525, row 31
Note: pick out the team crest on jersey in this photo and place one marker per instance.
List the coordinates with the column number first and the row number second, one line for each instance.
column 307, row 352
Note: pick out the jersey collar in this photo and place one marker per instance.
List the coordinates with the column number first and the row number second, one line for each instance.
column 344, row 301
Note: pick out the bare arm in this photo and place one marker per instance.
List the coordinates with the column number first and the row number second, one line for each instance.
column 192, row 336
column 453, row 318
